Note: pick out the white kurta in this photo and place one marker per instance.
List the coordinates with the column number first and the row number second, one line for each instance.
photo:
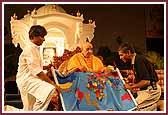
column 30, row 64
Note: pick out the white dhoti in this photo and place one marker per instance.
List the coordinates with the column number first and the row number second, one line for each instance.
column 36, row 94
column 147, row 99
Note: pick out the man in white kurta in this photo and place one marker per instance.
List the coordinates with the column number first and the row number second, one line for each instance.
column 36, row 91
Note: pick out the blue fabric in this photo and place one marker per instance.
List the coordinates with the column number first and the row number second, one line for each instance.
column 95, row 91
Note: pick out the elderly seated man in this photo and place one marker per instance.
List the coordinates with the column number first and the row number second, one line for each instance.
column 84, row 61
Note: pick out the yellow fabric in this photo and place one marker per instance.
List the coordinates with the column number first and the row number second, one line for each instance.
column 94, row 64
column 63, row 67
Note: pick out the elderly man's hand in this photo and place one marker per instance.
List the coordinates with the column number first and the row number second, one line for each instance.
column 106, row 69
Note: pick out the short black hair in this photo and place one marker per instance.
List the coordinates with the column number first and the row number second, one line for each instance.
column 37, row 30
column 125, row 47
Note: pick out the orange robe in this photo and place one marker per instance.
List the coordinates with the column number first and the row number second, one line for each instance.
column 92, row 64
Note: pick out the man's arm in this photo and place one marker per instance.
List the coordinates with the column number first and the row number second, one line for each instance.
column 140, row 84
column 44, row 77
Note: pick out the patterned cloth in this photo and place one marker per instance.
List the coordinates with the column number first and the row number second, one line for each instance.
column 95, row 91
